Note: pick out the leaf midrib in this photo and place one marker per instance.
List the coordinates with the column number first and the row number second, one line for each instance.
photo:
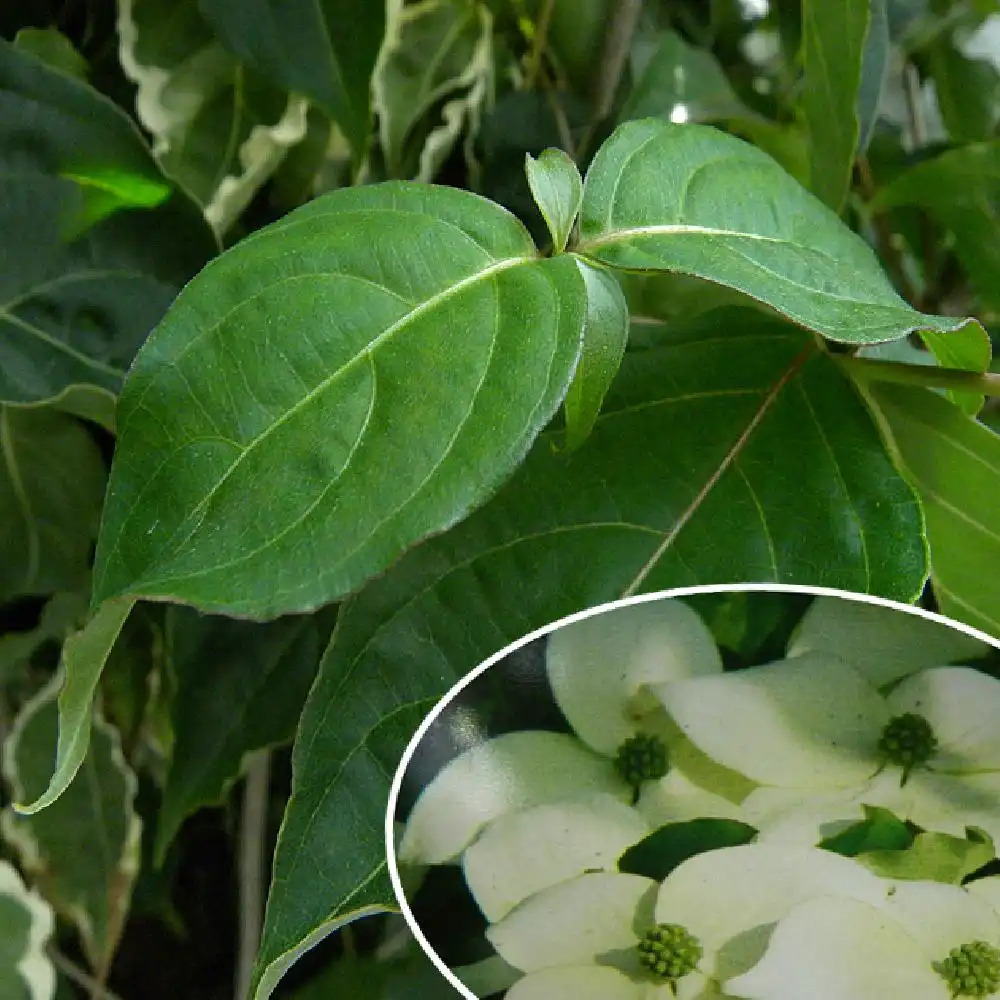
column 427, row 305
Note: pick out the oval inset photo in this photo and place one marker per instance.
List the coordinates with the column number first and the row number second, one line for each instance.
column 758, row 792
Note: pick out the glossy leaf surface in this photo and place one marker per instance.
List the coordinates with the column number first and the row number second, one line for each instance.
column 659, row 197
column 557, row 188
column 604, row 338
column 287, row 432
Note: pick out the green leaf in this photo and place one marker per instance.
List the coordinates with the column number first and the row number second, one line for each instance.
column 968, row 92
column 240, row 687
column 657, row 855
column 400, row 970
column 938, row 857
column 660, row 197
column 576, row 36
column 324, row 49
column 218, row 128
column 692, row 475
column 91, row 887
column 970, row 349
column 61, row 615
column 679, row 83
column 557, row 188
column 83, row 657
column 875, row 61
column 437, row 55
column 96, row 265
column 26, row 924
column 954, row 463
column 605, row 335
column 286, row 432
column 833, row 44
column 52, row 479
column 333, row 883
column 880, row 830
column 960, row 189
column 52, row 47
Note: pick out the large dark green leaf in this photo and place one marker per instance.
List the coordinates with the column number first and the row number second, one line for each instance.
column 342, row 873
column 658, row 854
column 240, row 687
column 961, row 190
column 96, row 242
column 660, row 197
column 52, row 479
column 954, row 463
column 331, row 391
column 833, row 44
column 324, row 49
column 737, row 452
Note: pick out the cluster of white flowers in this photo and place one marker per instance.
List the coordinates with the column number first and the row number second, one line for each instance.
column 867, row 709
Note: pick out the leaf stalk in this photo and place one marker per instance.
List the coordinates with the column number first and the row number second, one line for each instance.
column 928, row 376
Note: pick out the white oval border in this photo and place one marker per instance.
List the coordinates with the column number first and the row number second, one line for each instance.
column 446, row 699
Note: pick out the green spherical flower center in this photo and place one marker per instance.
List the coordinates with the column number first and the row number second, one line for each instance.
column 971, row 970
column 907, row 741
column 641, row 758
column 669, row 951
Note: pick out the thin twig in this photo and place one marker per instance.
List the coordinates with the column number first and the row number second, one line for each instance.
column 928, row 376
column 72, row 971
column 914, row 112
column 539, row 43
column 613, row 59
column 616, row 49
column 252, row 848
column 727, row 460
column 888, row 250
column 562, row 122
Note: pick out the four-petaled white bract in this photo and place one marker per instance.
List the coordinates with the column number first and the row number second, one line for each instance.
column 808, row 728
column 600, row 669
column 727, row 899
column 795, row 748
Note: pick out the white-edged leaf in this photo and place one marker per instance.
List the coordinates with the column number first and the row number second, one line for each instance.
column 26, row 924
column 83, row 852
column 436, row 53
column 218, row 128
